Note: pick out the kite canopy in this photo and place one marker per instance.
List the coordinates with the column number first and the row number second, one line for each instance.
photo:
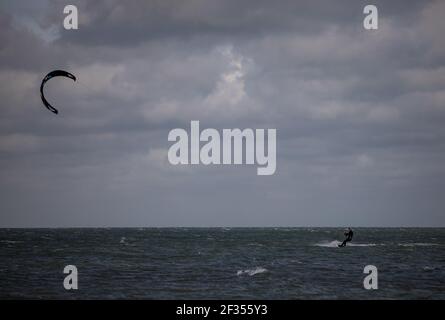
column 52, row 74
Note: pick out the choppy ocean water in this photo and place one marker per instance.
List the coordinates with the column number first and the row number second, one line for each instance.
column 222, row 263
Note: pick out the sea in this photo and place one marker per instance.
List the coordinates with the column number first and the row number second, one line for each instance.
column 222, row 263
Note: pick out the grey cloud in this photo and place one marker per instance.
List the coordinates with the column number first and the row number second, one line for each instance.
column 359, row 114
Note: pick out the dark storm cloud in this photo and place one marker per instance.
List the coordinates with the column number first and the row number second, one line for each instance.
column 359, row 113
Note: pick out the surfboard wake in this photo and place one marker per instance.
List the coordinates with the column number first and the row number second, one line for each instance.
column 336, row 243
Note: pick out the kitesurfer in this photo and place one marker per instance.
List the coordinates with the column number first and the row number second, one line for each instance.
column 348, row 234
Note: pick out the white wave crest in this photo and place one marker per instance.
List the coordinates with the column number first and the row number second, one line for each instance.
column 428, row 268
column 10, row 241
column 417, row 244
column 251, row 272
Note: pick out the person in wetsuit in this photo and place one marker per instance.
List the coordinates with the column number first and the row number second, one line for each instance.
column 348, row 234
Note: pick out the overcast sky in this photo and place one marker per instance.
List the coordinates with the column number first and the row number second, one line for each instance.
column 360, row 115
